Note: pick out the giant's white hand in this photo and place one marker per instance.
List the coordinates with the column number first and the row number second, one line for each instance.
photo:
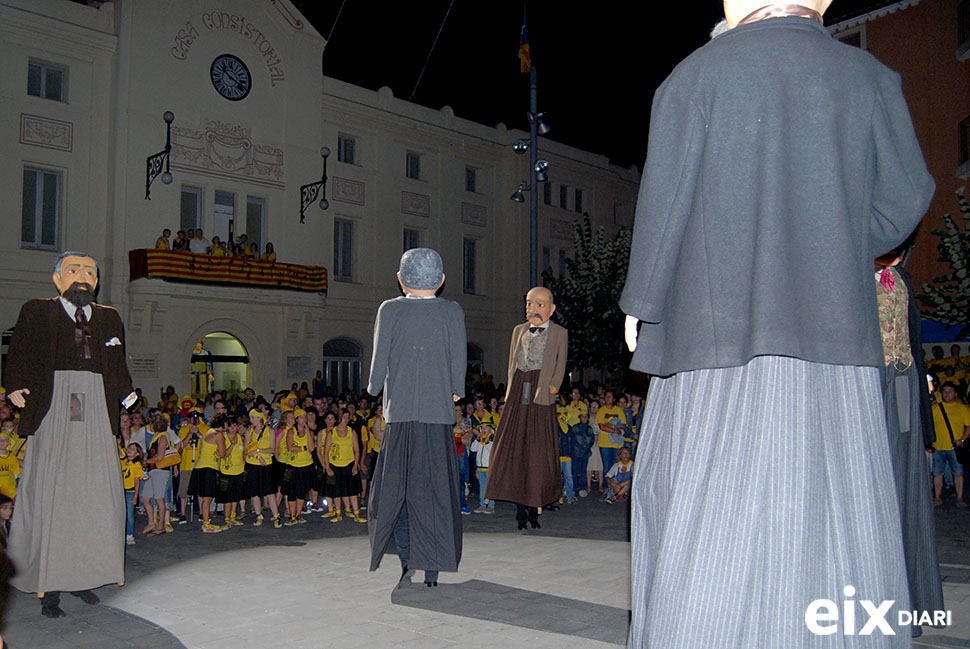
column 17, row 397
column 630, row 332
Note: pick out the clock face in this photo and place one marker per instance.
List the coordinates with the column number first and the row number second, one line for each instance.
column 230, row 77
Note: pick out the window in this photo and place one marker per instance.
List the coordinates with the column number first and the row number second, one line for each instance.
column 563, row 196
column 412, row 239
column 414, row 165
column 578, row 202
column 190, row 214
column 223, row 214
column 346, row 149
column 546, row 260
column 562, row 263
column 343, row 250
column 468, row 266
column 255, row 214
column 46, row 80
column 470, row 179
column 41, row 209
column 547, row 193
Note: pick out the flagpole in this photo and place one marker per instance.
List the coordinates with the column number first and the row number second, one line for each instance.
column 534, row 194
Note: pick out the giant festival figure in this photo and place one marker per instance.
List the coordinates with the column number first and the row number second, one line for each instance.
column 781, row 163
column 68, row 372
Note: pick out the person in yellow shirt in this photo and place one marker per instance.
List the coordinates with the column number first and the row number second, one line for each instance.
column 575, row 407
column 612, row 421
column 132, row 473
column 9, row 467
column 343, row 454
column 300, row 468
column 204, row 483
column 190, row 435
column 260, row 486
column 231, row 468
column 270, row 254
column 162, row 242
column 952, row 429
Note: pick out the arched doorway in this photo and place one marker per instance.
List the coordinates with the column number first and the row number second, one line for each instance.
column 220, row 363
column 341, row 364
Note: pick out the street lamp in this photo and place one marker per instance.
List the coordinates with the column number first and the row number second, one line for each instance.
column 154, row 162
column 309, row 193
column 537, row 174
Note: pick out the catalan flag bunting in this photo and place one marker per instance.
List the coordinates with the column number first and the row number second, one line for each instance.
column 525, row 59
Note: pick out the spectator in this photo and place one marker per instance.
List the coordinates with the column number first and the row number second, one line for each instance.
column 620, row 476
column 181, row 242
column 162, row 242
column 270, row 254
column 199, row 244
column 583, row 441
column 951, row 419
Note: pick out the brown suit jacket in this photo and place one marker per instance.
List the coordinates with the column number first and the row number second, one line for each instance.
column 43, row 342
column 553, row 361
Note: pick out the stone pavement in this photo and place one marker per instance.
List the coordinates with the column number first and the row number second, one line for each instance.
column 564, row 585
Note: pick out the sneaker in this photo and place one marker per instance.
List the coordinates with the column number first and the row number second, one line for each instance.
column 480, row 510
column 168, row 527
column 583, row 493
column 234, row 521
column 572, row 501
column 336, row 518
column 363, row 505
column 173, row 518
column 610, row 500
column 258, row 521
column 277, row 523
column 489, row 510
column 328, row 514
column 130, row 539
column 318, row 508
column 209, row 528
column 300, row 520
column 182, row 521
column 466, row 511
column 359, row 518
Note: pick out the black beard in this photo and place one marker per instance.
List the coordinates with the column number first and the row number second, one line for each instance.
column 78, row 297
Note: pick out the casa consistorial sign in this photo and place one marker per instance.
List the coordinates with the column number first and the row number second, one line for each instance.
column 223, row 21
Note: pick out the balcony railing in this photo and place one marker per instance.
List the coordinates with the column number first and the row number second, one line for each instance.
column 179, row 266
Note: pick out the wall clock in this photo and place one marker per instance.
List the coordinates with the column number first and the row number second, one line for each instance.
column 230, row 77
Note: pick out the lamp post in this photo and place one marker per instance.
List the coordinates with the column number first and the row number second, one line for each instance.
column 154, row 162
column 537, row 174
column 309, row 193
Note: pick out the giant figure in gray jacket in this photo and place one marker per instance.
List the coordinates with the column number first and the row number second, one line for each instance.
column 781, row 162
column 419, row 361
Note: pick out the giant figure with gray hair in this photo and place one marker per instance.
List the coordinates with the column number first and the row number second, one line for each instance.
column 68, row 373
column 419, row 361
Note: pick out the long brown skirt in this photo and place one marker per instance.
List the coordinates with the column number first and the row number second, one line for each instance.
column 524, row 464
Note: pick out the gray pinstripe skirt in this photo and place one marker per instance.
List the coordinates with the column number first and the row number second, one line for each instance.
column 757, row 490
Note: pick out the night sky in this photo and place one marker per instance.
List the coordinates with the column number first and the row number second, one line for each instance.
column 598, row 63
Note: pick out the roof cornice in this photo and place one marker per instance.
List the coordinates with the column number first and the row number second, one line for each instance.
column 872, row 15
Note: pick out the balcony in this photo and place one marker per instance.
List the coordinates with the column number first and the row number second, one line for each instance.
column 179, row 266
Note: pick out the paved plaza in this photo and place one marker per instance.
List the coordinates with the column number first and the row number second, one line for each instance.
column 565, row 585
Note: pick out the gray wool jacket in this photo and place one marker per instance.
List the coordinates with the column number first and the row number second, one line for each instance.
column 781, row 163
column 419, row 360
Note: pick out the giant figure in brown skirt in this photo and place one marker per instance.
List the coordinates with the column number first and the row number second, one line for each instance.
column 524, row 466
column 68, row 373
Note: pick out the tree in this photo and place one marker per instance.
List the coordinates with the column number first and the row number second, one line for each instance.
column 947, row 299
column 588, row 298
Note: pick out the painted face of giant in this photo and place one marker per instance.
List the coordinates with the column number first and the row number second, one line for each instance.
column 538, row 306
column 77, row 280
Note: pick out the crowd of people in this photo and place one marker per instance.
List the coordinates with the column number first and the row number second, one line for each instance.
column 193, row 240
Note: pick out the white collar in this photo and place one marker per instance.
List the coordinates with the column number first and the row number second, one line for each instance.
column 419, row 297
column 71, row 309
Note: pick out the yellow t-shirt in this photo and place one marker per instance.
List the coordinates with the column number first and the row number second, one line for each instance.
column 132, row 472
column 959, row 416
column 190, row 451
column 18, row 446
column 303, row 456
column 374, row 444
column 207, row 458
column 342, row 448
column 233, row 463
column 605, row 414
column 262, row 441
column 9, row 467
column 573, row 412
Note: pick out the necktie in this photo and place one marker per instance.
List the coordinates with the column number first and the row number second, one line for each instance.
column 536, row 330
column 82, row 333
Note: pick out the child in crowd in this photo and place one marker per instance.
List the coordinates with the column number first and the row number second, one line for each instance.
column 9, row 467
column 620, row 476
column 482, row 446
column 132, row 473
column 583, row 440
column 595, row 464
